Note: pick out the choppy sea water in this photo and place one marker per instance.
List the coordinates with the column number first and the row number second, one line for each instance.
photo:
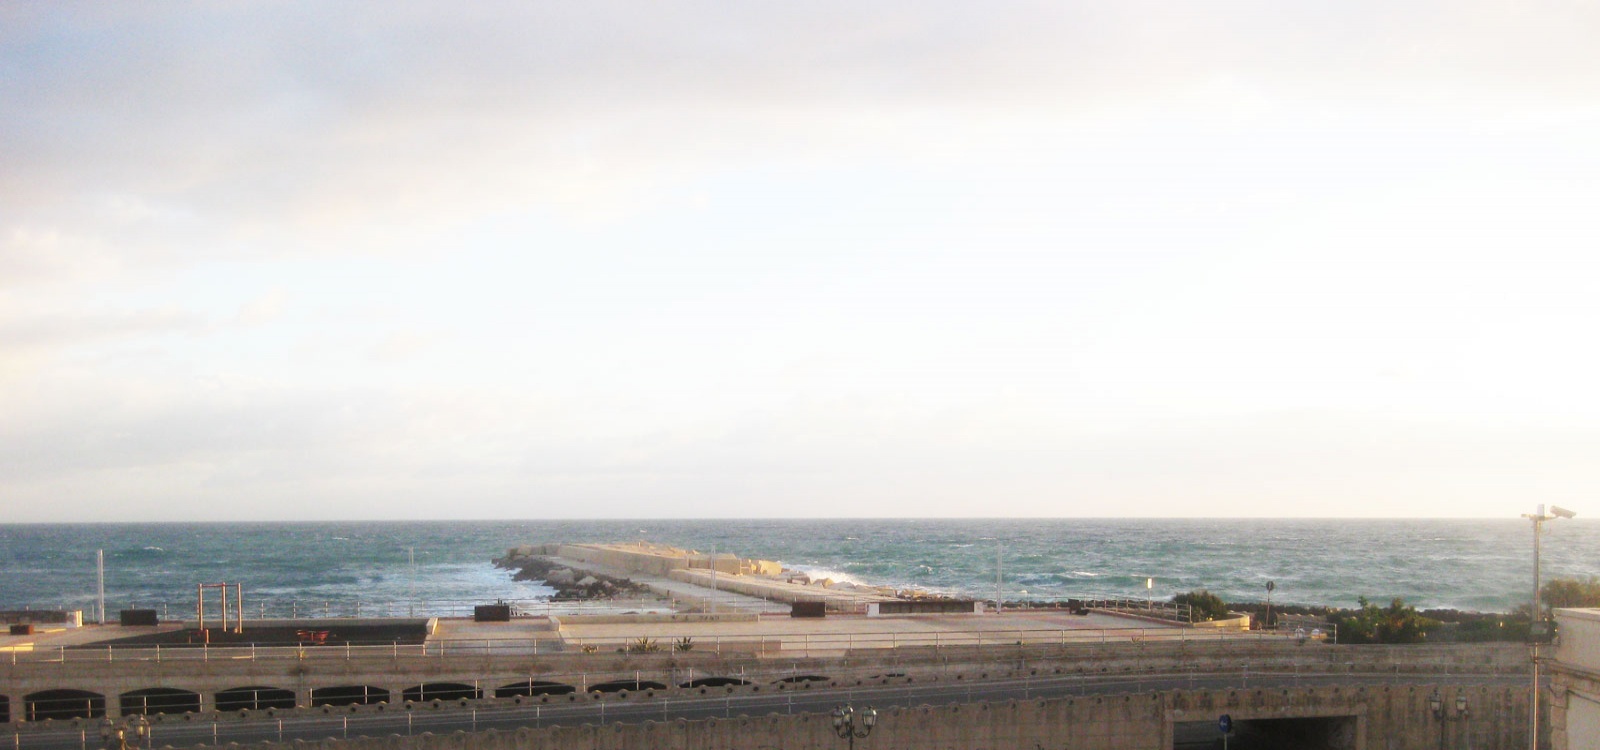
column 1483, row 565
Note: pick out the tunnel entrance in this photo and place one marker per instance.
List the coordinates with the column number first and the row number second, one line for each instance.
column 1306, row 733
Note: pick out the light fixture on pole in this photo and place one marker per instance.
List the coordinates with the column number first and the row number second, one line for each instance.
column 1438, row 706
column 127, row 734
column 1270, row 586
column 1538, row 629
column 849, row 725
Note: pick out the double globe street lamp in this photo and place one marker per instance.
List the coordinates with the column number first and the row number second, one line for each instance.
column 1441, row 711
column 127, row 734
column 852, row 726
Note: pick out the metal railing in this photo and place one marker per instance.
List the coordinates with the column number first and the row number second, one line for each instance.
column 639, row 643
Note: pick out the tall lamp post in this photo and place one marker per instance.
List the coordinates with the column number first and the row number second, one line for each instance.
column 128, row 734
column 1270, row 587
column 849, row 726
column 1537, row 628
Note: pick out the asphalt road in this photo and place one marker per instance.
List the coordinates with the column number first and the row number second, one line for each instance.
column 638, row 709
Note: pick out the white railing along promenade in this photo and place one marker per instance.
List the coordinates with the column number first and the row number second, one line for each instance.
column 639, row 644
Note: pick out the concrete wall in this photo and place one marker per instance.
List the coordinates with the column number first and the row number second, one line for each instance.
column 72, row 618
column 326, row 668
column 1373, row 719
column 1574, row 698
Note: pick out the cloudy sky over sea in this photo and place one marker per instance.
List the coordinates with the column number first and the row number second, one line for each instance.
column 594, row 259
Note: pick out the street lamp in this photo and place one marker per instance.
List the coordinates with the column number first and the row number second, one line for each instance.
column 1537, row 628
column 1437, row 705
column 1270, row 587
column 845, row 723
column 127, row 734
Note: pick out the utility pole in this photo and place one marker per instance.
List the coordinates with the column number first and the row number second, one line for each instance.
column 1537, row 628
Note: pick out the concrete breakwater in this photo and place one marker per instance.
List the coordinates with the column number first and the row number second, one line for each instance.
column 657, row 566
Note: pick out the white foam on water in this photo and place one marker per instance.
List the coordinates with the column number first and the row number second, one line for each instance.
column 819, row 573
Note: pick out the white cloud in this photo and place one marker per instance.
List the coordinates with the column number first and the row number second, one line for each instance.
column 900, row 255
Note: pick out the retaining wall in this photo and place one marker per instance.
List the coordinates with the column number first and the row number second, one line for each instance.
column 1361, row 719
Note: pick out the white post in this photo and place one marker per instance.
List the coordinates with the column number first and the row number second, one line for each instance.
column 998, row 578
column 100, row 567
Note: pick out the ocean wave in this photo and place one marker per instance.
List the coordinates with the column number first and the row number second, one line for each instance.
column 817, row 573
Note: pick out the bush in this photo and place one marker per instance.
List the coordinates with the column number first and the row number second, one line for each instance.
column 1571, row 592
column 1204, row 605
column 1398, row 623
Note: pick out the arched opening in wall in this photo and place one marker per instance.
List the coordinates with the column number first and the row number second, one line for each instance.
column 1268, row 734
column 151, row 701
column 802, row 678
column 631, row 686
column 444, row 691
column 714, row 682
column 532, row 688
column 63, row 704
column 5, row 710
column 344, row 695
column 254, row 697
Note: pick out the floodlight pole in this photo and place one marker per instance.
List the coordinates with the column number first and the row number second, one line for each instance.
column 1536, row 627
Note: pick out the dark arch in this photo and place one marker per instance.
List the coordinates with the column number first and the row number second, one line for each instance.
column 802, row 678
column 531, row 688
column 150, row 701
column 714, row 682
column 63, row 704
column 629, row 685
column 254, row 697
column 344, row 695
column 444, row 691
column 5, row 710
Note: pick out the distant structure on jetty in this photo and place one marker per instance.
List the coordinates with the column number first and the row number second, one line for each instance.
column 658, row 566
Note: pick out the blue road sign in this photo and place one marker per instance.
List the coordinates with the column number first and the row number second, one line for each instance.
column 1225, row 723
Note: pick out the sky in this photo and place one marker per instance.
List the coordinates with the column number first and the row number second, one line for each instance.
column 374, row 260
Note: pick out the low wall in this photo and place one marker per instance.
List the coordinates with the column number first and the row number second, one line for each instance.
column 1234, row 621
column 647, row 617
column 72, row 618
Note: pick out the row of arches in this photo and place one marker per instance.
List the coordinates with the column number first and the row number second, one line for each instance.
column 84, row 704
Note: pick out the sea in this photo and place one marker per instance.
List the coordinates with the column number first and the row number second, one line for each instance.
column 436, row 567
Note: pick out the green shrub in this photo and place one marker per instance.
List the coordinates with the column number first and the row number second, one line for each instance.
column 1203, row 605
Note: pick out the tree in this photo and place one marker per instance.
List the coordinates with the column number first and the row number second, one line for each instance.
column 1397, row 623
column 1571, row 592
column 1203, row 605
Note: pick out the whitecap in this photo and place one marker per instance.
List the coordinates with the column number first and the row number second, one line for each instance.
column 818, row 573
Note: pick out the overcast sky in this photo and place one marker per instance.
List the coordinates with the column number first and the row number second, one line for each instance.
column 590, row 259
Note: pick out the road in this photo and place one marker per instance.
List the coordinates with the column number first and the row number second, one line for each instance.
column 638, row 709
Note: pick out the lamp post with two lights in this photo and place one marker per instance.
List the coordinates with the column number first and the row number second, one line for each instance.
column 852, row 726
